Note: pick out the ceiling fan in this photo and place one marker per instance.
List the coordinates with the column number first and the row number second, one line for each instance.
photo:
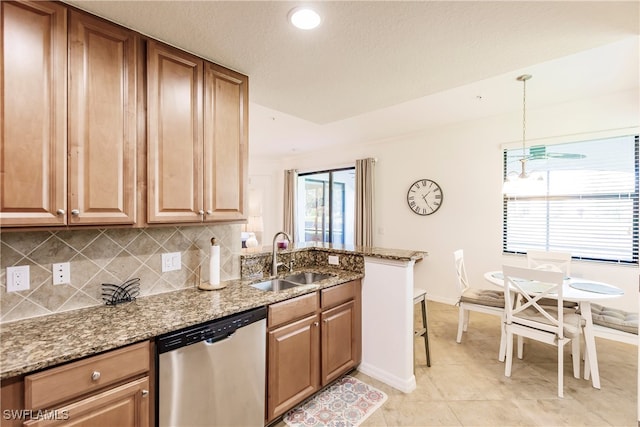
column 539, row 152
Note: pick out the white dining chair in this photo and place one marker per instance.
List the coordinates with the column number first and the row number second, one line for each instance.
column 550, row 261
column 551, row 325
column 488, row 301
column 547, row 260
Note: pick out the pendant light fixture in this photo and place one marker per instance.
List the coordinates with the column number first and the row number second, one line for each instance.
column 523, row 78
column 523, row 184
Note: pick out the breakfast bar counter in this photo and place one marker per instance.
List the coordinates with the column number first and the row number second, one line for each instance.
column 33, row 344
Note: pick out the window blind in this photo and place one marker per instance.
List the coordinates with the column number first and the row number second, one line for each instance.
column 586, row 202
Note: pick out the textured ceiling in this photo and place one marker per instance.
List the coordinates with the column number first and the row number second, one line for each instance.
column 370, row 56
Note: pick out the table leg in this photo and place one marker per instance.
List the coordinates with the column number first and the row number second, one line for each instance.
column 591, row 362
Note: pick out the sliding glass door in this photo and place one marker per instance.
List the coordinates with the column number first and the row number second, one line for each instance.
column 326, row 206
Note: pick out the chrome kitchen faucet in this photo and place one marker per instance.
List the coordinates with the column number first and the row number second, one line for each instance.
column 274, row 252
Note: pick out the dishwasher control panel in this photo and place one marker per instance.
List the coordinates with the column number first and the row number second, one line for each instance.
column 211, row 331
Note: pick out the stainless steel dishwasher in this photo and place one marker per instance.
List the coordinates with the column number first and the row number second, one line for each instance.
column 213, row 374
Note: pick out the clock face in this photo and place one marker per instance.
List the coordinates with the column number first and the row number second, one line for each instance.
column 424, row 197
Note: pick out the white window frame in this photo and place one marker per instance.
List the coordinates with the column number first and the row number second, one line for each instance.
column 552, row 241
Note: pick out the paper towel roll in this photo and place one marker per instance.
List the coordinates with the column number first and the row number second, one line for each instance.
column 214, row 265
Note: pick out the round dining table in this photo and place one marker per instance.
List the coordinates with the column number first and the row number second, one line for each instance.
column 583, row 292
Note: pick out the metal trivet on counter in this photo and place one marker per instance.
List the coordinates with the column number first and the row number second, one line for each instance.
column 116, row 294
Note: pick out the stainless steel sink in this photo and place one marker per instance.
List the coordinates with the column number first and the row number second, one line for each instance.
column 291, row 281
column 275, row 285
column 306, row 278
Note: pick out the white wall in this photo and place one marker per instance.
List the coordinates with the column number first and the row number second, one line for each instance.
column 466, row 160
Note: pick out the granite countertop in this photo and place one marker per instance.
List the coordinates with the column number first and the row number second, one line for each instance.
column 368, row 251
column 37, row 343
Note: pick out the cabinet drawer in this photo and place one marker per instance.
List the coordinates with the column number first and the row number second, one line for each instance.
column 55, row 385
column 125, row 405
column 338, row 294
column 292, row 309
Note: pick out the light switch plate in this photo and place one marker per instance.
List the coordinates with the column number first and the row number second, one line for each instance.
column 61, row 273
column 18, row 278
column 334, row 260
column 171, row 261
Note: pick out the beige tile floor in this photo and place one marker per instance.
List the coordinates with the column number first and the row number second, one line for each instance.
column 466, row 386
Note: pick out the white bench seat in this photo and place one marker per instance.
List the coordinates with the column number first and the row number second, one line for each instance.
column 614, row 324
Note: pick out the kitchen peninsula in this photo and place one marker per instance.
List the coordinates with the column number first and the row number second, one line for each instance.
column 387, row 302
column 32, row 345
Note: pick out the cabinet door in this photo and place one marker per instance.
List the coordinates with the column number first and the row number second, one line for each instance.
column 102, row 122
column 33, row 114
column 225, row 143
column 339, row 341
column 126, row 405
column 293, row 365
column 174, row 126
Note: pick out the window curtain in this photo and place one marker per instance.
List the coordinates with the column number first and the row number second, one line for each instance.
column 289, row 215
column 364, row 201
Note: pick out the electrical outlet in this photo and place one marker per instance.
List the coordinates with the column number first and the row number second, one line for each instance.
column 61, row 273
column 171, row 261
column 334, row 260
column 18, row 278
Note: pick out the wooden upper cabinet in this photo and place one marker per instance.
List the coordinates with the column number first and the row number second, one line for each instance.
column 174, row 128
column 102, row 122
column 197, row 138
column 225, row 143
column 72, row 148
column 33, row 114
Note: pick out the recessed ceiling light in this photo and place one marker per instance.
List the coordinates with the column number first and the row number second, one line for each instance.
column 304, row 18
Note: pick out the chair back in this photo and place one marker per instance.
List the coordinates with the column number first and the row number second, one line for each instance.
column 553, row 261
column 461, row 273
column 529, row 286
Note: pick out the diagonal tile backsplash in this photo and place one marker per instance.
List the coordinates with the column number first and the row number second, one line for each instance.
column 108, row 256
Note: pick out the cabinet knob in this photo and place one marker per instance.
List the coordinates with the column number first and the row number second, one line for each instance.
column 209, row 212
column 60, row 212
column 75, row 212
column 95, row 376
column 201, row 212
column 316, row 324
column 326, row 320
column 145, row 393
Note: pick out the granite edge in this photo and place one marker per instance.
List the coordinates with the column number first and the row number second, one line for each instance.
column 139, row 310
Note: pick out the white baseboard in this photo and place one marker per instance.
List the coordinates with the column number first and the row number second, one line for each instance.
column 404, row 385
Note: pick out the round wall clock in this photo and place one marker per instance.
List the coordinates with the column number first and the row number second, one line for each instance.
column 424, row 197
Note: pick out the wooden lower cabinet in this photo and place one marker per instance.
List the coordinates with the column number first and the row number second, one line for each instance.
column 110, row 389
column 293, row 367
column 338, row 341
column 312, row 340
column 125, row 405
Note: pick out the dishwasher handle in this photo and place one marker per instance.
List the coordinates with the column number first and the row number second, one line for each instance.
column 210, row 341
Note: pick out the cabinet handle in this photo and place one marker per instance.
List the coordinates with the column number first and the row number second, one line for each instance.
column 75, row 212
column 326, row 320
column 95, row 376
column 209, row 212
column 145, row 393
column 316, row 324
column 60, row 212
column 201, row 212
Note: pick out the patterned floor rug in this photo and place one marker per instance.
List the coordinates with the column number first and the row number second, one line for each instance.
column 347, row 402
